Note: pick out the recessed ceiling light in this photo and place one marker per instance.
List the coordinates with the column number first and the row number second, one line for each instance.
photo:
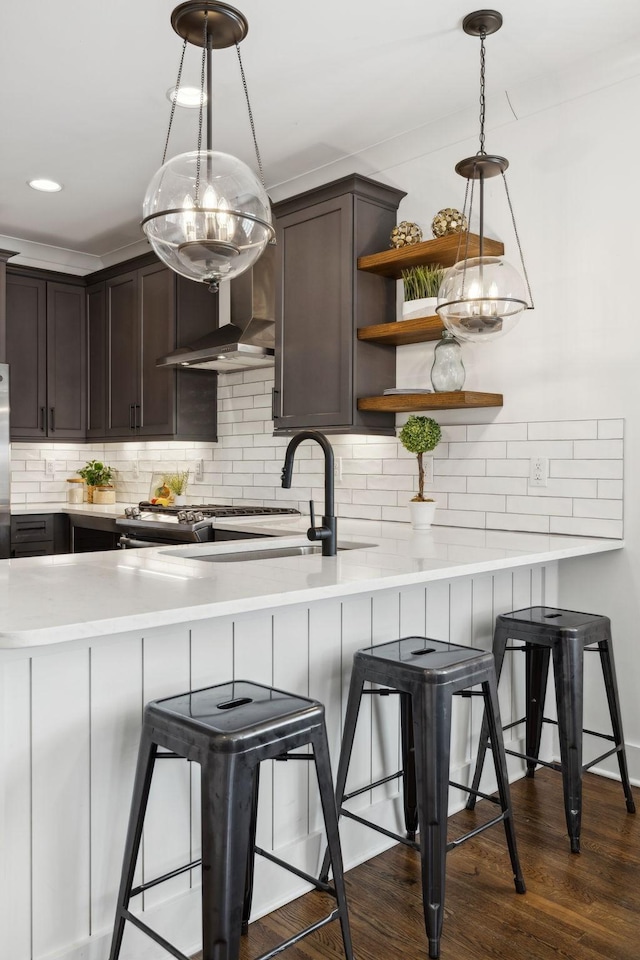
column 188, row 97
column 46, row 186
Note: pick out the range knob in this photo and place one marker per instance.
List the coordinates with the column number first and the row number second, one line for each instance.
column 182, row 516
column 198, row 516
column 132, row 512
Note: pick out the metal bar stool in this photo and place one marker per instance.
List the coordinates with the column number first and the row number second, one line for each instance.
column 567, row 635
column 229, row 729
column 426, row 674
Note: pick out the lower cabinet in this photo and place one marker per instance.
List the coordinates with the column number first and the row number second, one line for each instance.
column 39, row 534
column 132, row 319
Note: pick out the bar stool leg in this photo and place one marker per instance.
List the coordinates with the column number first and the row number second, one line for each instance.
column 537, row 670
column 408, row 767
column 227, row 801
column 432, row 737
column 569, row 679
column 334, row 852
column 356, row 687
column 141, row 786
column 500, row 638
column 611, row 686
column 492, row 713
column 248, row 886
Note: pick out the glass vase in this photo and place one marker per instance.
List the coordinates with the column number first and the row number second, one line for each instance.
column 447, row 372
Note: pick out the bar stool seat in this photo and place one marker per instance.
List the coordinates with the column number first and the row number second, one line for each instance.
column 229, row 730
column 426, row 674
column 565, row 635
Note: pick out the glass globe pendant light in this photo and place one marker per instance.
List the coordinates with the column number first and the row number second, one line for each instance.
column 206, row 213
column 481, row 297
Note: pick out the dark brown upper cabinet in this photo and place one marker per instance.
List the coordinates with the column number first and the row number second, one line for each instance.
column 134, row 317
column 45, row 348
column 321, row 366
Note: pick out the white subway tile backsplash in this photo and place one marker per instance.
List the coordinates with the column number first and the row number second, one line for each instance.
column 506, row 485
column 518, row 521
column 596, row 469
column 539, row 448
column 603, row 509
column 481, row 470
column 610, row 429
column 600, row 449
column 497, row 431
column 563, row 430
column 487, row 450
column 551, row 506
column 582, row 527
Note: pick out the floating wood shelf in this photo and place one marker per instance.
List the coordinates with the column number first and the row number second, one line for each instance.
column 412, row 402
column 443, row 250
column 416, row 330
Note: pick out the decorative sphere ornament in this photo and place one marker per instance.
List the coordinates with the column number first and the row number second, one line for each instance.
column 405, row 234
column 448, row 221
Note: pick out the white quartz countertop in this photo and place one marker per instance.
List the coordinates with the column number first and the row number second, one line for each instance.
column 47, row 600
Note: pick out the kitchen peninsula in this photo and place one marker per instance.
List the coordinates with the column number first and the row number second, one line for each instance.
column 86, row 640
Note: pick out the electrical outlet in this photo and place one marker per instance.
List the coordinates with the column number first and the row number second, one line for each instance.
column 538, row 472
column 135, row 470
column 427, row 463
column 198, row 471
column 49, row 467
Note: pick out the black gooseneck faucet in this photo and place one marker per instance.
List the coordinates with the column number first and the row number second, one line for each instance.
column 327, row 533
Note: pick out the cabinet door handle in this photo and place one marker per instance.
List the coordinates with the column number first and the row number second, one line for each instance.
column 132, row 408
column 274, row 412
column 138, row 417
column 43, row 415
column 52, row 418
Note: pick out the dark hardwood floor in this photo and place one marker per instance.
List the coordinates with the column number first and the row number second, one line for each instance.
column 577, row 907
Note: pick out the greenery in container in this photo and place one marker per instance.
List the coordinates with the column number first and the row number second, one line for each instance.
column 177, row 482
column 96, row 473
column 420, row 435
column 422, row 281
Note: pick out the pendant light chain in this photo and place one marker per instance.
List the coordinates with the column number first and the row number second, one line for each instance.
column 531, row 305
column 201, row 110
column 250, row 112
column 174, row 101
column 483, row 104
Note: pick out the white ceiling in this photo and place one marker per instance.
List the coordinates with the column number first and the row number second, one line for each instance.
column 84, row 87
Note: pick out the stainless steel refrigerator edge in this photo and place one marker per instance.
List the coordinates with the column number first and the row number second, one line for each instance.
column 5, row 463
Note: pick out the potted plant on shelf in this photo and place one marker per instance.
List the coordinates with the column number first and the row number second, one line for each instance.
column 98, row 474
column 421, row 435
column 421, row 285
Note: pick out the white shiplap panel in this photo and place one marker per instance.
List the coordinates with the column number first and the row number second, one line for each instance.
column 116, row 714
column 385, row 714
column 482, row 622
column 291, row 672
column 413, row 611
column 167, row 829
column 325, row 685
column 460, row 633
column 211, row 663
column 15, row 810
column 61, row 764
column 356, row 633
column 253, row 660
column 438, row 610
column 521, row 600
column 503, row 603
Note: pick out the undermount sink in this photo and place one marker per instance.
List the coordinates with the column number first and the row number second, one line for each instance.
column 264, row 552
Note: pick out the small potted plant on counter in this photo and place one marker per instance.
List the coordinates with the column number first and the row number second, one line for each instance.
column 177, row 484
column 98, row 474
column 421, row 285
column 421, row 435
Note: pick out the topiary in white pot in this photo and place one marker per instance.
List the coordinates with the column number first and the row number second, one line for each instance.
column 421, row 435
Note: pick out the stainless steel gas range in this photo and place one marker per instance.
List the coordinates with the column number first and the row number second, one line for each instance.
column 149, row 524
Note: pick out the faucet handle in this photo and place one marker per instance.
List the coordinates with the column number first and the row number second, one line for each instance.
column 312, row 511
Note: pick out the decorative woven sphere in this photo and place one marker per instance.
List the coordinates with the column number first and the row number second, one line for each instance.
column 448, row 221
column 405, row 234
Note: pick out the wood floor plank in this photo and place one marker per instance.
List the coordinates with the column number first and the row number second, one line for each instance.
column 577, row 907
